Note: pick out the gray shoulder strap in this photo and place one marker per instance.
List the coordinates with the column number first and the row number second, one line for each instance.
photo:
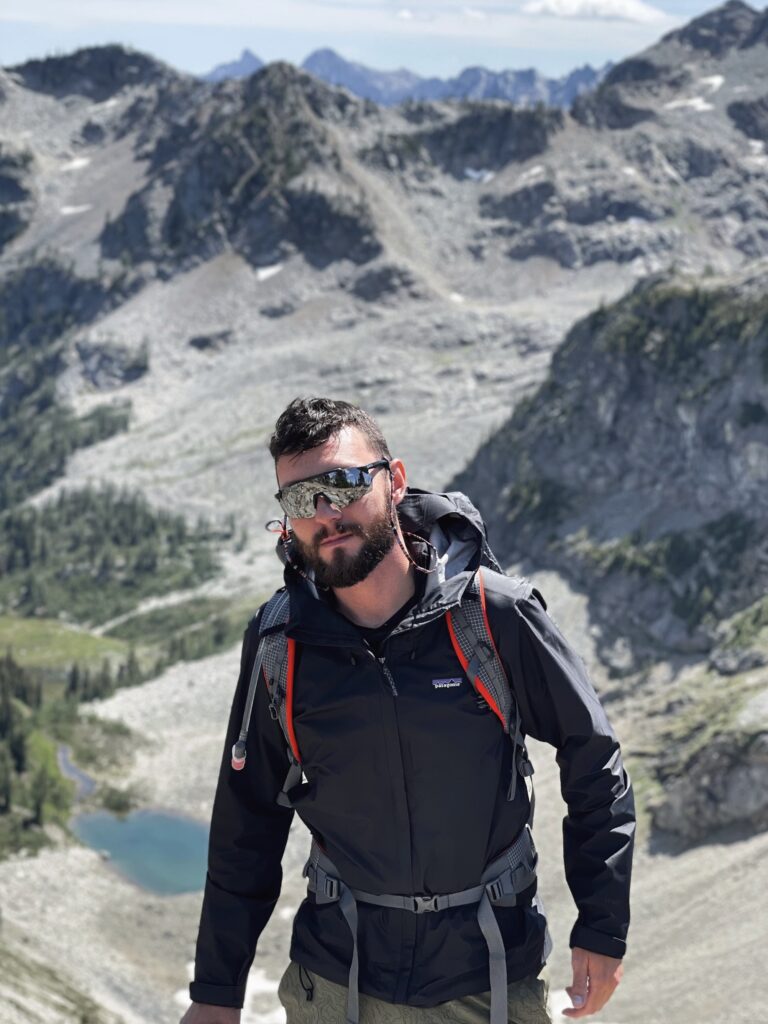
column 484, row 667
column 271, row 656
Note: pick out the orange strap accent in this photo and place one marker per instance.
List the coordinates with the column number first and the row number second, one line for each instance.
column 465, row 665
column 289, row 697
column 488, row 624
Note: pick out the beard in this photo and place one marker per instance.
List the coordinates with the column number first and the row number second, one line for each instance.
column 344, row 569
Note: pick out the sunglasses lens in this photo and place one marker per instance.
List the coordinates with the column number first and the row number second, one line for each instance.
column 340, row 487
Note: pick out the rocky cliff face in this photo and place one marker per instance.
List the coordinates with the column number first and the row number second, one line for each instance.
column 237, row 174
column 642, row 461
column 639, row 469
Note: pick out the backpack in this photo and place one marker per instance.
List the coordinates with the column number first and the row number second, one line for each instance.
column 472, row 641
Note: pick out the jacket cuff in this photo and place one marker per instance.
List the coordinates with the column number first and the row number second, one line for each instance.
column 597, row 942
column 217, row 995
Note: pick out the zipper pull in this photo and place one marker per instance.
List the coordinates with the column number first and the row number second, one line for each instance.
column 388, row 675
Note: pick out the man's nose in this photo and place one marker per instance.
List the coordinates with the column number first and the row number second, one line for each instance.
column 324, row 509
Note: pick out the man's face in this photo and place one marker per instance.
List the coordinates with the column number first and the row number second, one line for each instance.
column 342, row 547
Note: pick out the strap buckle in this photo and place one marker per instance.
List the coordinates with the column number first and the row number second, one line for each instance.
column 503, row 890
column 424, row 904
column 325, row 888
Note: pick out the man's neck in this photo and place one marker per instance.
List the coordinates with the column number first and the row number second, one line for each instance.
column 376, row 598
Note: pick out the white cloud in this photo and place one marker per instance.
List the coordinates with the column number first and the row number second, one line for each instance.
column 576, row 26
column 604, row 10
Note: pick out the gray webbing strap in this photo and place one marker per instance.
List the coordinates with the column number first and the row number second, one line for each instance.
column 348, row 907
column 502, row 881
column 293, row 778
column 497, row 960
column 483, row 663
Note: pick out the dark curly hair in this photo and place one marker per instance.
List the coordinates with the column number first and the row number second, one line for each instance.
column 307, row 423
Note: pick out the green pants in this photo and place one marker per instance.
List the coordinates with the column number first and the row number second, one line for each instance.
column 527, row 1003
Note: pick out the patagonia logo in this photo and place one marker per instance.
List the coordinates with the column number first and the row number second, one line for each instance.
column 445, row 684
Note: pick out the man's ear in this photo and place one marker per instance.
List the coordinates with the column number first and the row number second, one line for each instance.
column 399, row 480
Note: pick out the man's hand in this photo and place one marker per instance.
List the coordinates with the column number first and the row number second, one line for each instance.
column 595, row 977
column 204, row 1013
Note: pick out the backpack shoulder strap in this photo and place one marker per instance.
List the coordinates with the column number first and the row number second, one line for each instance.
column 275, row 659
column 473, row 642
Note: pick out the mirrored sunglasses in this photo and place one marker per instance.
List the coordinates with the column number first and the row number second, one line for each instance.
column 340, row 487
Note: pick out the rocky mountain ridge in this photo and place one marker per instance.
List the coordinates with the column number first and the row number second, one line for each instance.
column 639, row 471
column 388, row 88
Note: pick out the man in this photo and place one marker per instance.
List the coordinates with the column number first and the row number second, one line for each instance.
column 410, row 791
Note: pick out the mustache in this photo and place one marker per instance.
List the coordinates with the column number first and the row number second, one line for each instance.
column 325, row 533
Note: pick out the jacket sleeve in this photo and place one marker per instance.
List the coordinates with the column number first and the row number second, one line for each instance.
column 248, row 835
column 558, row 705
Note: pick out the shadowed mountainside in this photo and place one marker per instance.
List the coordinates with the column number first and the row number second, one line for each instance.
column 638, row 471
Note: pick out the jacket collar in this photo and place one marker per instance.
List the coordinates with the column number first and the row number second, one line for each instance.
column 455, row 531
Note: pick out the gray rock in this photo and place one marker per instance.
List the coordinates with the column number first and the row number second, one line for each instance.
column 726, row 784
column 109, row 365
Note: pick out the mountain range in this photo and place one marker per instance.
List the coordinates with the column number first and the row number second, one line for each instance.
column 524, row 88
column 560, row 311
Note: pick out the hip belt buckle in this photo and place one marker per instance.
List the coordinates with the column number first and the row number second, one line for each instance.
column 424, row 904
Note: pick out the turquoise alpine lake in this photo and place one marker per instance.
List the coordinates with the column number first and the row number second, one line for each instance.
column 161, row 852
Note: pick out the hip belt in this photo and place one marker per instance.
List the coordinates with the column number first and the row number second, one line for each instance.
column 501, row 883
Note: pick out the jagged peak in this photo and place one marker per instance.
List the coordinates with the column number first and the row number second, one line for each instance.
column 97, row 72
column 282, row 84
column 723, row 28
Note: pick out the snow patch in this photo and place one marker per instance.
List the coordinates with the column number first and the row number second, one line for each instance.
column 77, row 164
column 531, row 173
column 456, row 297
column 631, row 172
column 667, row 167
column 697, row 103
column 287, row 913
column 712, row 82
column 264, row 273
column 756, row 146
column 107, row 104
column 482, row 176
column 71, row 211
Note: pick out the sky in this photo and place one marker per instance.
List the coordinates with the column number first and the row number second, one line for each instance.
column 430, row 37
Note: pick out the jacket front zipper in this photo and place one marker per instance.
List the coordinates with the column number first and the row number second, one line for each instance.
column 384, row 670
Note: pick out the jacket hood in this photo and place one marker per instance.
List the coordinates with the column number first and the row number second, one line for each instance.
column 456, row 538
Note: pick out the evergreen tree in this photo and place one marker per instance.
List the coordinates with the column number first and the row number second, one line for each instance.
column 219, row 631
column 6, row 779
column 87, row 687
column 133, row 672
column 18, row 746
column 104, row 684
column 73, row 683
column 38, row 791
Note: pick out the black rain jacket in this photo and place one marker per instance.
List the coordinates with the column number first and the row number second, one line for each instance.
column 407, row 792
